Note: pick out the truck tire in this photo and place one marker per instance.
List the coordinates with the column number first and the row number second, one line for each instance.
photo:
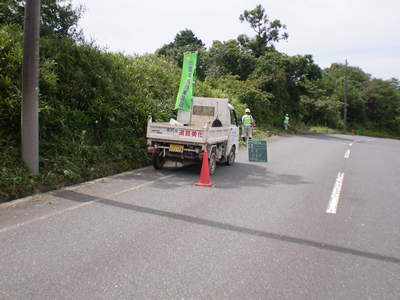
column 212, row 162
column 158, row 160
column 231, row 156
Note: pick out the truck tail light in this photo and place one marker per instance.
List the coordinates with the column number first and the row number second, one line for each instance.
column 151, row 149
column 201, row 155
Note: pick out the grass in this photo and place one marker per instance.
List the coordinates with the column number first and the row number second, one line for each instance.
column 264, row 132
column 320, row 129
column 17, row 181
column 358, row 131
column 374, row 133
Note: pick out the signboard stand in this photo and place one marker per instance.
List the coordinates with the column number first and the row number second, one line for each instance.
column 258, row 150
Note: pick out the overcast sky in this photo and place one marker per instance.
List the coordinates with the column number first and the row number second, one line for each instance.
column 365, row 32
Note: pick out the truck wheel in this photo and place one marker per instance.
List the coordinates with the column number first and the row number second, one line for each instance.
column 212, row 162
column 231, row 157
column 158, row 160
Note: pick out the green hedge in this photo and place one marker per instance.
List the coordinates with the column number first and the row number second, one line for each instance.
column 93, row 111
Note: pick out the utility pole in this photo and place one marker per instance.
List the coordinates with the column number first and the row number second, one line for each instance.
column 30, row 86
column 345, row 99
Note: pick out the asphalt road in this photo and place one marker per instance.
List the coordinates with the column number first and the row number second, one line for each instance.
column 320, row 220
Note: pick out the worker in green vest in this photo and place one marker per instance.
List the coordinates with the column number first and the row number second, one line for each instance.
column 286, row 122
column 248, row 123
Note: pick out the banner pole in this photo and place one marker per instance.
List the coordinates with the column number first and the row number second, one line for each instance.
column 191, row 112
column 194, row 82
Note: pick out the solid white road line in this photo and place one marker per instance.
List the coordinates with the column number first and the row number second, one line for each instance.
column 140, row 185
column 334, row 201
column 347, row 154
column 76, row 206
column 44, row 217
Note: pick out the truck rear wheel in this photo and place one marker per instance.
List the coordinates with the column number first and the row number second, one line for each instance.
column 158, row 160
column 212, row 162
column 231, row 156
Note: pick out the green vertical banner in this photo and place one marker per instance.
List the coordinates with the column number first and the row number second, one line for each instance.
column 186, row 89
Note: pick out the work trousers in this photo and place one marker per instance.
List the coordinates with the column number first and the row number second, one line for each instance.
column 285, row 125
column 246, row 130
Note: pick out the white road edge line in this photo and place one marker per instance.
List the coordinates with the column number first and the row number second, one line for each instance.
column 334, row 201
column 75, row 207
column 139, row 186
column 347, row 154
column 44, row 217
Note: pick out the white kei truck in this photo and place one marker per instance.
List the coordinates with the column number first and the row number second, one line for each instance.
column 212, row 126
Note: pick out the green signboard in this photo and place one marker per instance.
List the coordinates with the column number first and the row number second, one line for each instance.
column 257, row 150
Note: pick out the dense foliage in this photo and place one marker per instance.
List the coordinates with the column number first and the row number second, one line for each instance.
column 372, row 103
column 94, row 104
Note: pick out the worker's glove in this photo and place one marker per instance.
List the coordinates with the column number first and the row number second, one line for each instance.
column 253, row 124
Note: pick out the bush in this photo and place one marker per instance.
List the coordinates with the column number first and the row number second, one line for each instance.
column 93, row 108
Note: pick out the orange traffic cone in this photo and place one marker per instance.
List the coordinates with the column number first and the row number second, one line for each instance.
column 205, row 174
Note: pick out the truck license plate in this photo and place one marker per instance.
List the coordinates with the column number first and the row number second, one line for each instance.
column 176, row 148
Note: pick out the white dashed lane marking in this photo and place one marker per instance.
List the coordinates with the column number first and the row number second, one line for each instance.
column 334, row 201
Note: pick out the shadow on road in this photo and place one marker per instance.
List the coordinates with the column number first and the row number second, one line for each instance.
column 79, row 197
column 253, row 175
column 226, row 177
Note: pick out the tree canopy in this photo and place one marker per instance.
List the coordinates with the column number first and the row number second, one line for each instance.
column 267, row 31
column 58, row 17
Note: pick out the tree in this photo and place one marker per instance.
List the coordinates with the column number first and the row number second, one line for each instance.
column 12, row 11
column 284, row 77
column 185, row 41
column 187, row 37
column 333, row 82
column 61, row 20
column 267, row 31
column 229, row 58
column 56, row 19
column 320, row 109
column 383, row 103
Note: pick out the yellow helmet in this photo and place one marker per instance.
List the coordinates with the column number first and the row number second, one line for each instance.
column 247, row 110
